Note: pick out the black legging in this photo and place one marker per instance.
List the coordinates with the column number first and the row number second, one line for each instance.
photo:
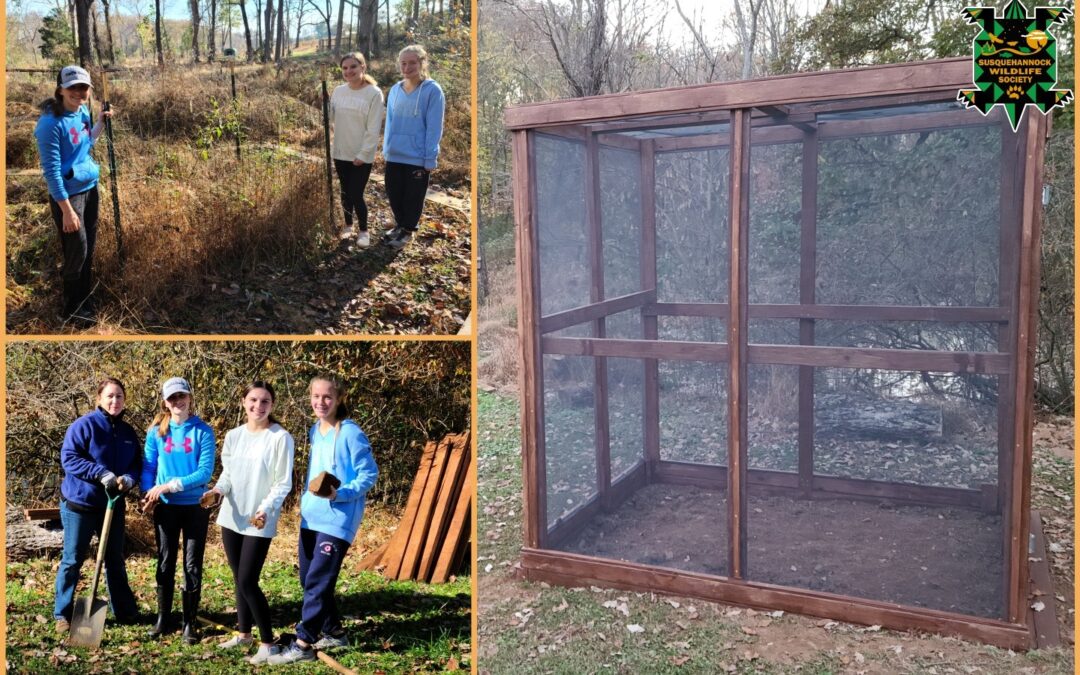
column 353, row 181
column 406, row 186
column 169, row 520
column 246, row 557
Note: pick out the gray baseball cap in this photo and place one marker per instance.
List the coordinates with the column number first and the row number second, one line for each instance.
column 175, row 385
column 72, row 75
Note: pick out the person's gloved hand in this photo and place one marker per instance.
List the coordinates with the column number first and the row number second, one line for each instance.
column 108, row 479
column 125, row 483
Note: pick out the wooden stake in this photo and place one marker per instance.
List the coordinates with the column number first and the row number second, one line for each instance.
column 112, row 172
column 326, row 135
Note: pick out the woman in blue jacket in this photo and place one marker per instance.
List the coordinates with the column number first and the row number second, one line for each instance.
column 414, row 127
column 328, row 524
column 100, row 457
column 178, row 459
column 64, row 139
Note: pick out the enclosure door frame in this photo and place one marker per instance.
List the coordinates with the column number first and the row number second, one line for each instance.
column 924, row 81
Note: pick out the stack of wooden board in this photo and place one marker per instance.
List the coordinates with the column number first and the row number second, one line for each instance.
column 432, row 540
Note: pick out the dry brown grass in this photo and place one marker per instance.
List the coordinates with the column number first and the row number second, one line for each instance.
column 497, row 332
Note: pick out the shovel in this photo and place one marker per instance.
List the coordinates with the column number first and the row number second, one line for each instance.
column 88, row 616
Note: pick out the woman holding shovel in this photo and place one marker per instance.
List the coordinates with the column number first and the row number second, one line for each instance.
column 356, row 114
column 256, row 476
column 64, row 139
column 340, row 472
column 100, row 458
column 178, row 459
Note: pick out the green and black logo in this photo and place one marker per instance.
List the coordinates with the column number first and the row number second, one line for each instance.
column 1015, row 61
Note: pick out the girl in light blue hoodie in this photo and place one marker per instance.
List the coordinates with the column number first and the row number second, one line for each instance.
column 178, row 459
column 414, row 127
column 328, row 524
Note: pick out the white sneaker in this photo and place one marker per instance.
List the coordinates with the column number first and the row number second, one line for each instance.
column 264, row 654
column 363, row 239
column 236, row 641
column 347, row 232
column 292, row 654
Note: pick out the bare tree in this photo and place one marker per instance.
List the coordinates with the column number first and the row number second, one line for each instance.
column 211, row 48
column 340, row 21
column 280, row 33
column 368, row 22
column 325, row 13
column 82, row 12
column 108, row 30
column 94, row 30
column 747, row 33
column 250, row 53
column 576, row 33
column 157, row 34
column 193, row 5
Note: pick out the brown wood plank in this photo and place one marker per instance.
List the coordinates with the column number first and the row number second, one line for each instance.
column 594, row 226
column 681, row 120
column 650, row 330
column 41, row 514
column 534, row 483
column 737, row 339
column 626, row 485
column 419, row 533
column 640, row 349
column 714, row 477
column 890, row 359
column 578, row 570
column 807, row 297
column 904, row 124
column 1027, row 310
column 595, row 310
column 944, row 76
column 400, row 538
column 837, row 312
column 449, row 494
column 458, row 531
column 373, row 559
column 1044, row 627
column 567, row 527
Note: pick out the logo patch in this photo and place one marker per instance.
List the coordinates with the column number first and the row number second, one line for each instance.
column 327, row 548
column 169, row 445
column 1015, row 61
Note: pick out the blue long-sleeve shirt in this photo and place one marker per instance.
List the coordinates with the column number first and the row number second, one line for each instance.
column 64, row 145
column 94, row 445
column 414, row 124
column 185, row 452
column 345, row 453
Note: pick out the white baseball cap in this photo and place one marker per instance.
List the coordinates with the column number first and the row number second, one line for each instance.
column 72, row 75
column 175, row 385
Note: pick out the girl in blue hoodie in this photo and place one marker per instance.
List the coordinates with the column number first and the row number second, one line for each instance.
column 64, row 139
column 178, row 459
column 328, row 524
column 414, row 126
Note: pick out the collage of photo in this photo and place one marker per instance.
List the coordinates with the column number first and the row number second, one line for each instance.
column 538, row 336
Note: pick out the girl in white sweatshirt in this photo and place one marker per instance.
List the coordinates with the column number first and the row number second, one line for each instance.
column 256, row 476
column 356, row 114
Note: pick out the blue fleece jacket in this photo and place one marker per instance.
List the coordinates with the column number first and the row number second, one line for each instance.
column 351, row 461
column 64, row 145
column 94, row 445
column 185, row 452
column 414, row 124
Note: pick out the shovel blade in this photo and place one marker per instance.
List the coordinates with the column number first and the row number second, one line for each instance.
column 86, row 630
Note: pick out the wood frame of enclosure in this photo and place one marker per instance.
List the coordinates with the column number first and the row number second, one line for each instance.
column 780, row 108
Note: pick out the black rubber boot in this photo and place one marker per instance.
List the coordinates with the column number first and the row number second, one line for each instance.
column 164, row 604
column 191, row 621
column 72, row 297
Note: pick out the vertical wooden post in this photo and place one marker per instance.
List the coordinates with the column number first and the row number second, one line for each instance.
column 534, row 475
column 596, row 294
column 1010, row 199
column 807, row 296
column 737, row 329
column 326, row 138
column 1027, row 312
column 650, row 330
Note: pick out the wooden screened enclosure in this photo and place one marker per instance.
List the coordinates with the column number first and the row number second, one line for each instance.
column 777, row 342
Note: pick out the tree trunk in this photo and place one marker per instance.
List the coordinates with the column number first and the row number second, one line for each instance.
column 340, row 23
column 247, row 32
column 268, row 32
column 299, row 24
column 211, row 42
column 108, row 31
column 97, row 37
column 280, row 31
column 157, row 34
column 368, row 9
column 415, row 14
column 82, row 12
column 258, row 26
column 74, row 27
column 194, row 6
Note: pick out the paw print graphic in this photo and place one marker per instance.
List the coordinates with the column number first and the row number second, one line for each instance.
column 1014, row 92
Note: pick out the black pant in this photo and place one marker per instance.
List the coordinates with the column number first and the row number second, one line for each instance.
column 321, row 557
column 406, row 186
column 77, row 247
column 246, row 556
column 169, row 521
column 353, row 180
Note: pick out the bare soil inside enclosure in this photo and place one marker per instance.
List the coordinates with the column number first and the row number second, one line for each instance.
column 925, row 556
